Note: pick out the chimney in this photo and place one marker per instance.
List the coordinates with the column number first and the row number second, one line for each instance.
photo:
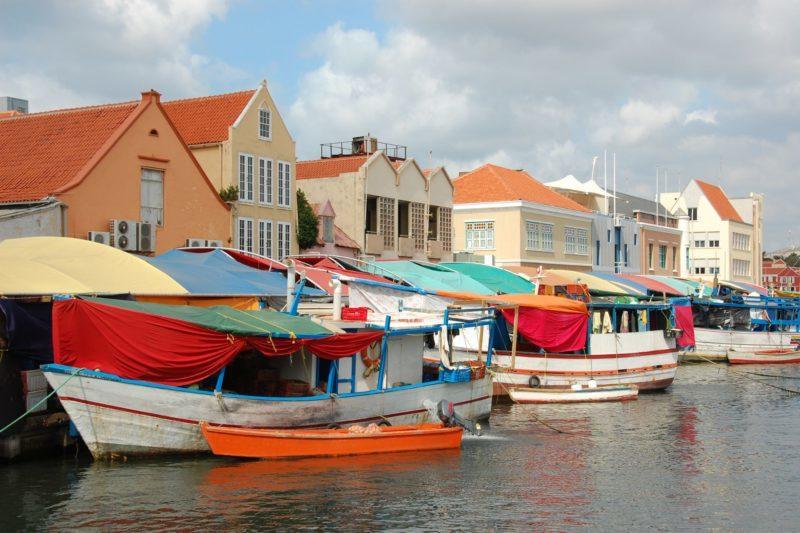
column 151, row 95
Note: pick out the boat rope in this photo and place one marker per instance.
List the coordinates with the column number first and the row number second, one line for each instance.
column 40, row 402
column 745, row 375
column 771, row 375
column 535, row 418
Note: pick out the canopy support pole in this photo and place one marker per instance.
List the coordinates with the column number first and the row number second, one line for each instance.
column 384, row 351
column 480, row 337
column 220, row 379
column 296, row 299
column 514, row 339
column 490, row 348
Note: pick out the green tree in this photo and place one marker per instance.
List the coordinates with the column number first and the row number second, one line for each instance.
column 306, row 222
column 229, row 194
column 793, row 259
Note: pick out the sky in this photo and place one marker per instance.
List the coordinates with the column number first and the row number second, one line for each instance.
column 707, row 90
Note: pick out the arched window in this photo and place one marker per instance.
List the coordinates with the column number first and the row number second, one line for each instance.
column 153, row 132
column 264, row 122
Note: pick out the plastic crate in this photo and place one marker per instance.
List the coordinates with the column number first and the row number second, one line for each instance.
column 33, row 381
column 456, row 375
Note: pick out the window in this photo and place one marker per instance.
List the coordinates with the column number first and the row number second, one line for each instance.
column 625, row 250
column 245, row 243
column 480, row 235
column 597, row 252
column 699, row 244
column 403, row 218
column 446, row 228
column 576, row 241
column 418, row 225
column 650, row 256
column 675, row 258
column 608, row 235
column 713, row 244
column 635, row 239
column 692, row 213
column 284, row 240
column 662, row 256
column 386, row 224
column 284, row 184
column 699, row 270
column 265, row 238
column 433, row 223
column 741, row 267
column 327, row 229
column 245, row 177
column 539, row 236
column 152, row 196
column 264, row 181
column 264, row 123
column 741, row 241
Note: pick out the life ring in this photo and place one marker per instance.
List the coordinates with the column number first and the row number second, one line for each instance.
column 534, row 382
column 370, row 364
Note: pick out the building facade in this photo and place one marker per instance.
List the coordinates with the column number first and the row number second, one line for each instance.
column 241, row 141
column 715, row 240
column 778, row 276
column 118, row 162
column 515, row 220
column 384, row 201
column 331, row 239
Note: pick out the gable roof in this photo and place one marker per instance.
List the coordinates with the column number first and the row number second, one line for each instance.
column 719, row 201
column 43, row 152
column 206, row 119
column 330, row 167
column 492, row 183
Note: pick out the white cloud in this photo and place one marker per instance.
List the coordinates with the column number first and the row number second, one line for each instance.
column 707, row 116
column 56, row 54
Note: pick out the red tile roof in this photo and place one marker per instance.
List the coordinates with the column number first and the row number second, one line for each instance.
column 491, row 183
column 719, row 202
column 207, row 119
column 43, row 152
column 329, row 168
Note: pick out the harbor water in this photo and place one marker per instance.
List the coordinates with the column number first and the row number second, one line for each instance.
column 713, row 451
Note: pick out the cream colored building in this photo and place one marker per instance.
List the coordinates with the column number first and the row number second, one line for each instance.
column 716, row 240
column 514, row 220
column 241, row 140
column 386, row 203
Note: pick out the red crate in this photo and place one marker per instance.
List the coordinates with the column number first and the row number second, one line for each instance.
column 354, row 313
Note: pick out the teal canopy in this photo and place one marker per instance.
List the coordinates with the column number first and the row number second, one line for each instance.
column 499, row 280
column 432, row 277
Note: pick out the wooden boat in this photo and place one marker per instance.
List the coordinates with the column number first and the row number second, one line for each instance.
column 285, row 444
column 602, row 393
column 759, row 357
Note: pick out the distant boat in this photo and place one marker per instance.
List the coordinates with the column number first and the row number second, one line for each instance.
column 357, row 440
column 579, row 394
column 764, row 357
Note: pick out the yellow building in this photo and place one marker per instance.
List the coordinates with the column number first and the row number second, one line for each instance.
column 241, row 140
column 508, row 215
column 384, row 201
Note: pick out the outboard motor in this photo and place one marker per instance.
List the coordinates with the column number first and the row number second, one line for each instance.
column 448, row 416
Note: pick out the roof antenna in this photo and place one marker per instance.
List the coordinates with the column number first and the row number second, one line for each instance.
column 605, row 182
column 594, row 162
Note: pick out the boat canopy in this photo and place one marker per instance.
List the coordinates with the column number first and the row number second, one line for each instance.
column 653, row 285
column 743, row 286
column 497, row 279
column 177, row 345
column 432, row 277
column 62, row 265
column 596, row 285
column 634, row 287
column 214, row 272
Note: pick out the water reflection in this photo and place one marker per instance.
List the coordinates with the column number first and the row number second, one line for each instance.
column 714, row 451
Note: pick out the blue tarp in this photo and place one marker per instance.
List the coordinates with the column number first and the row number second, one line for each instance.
column 217, row 273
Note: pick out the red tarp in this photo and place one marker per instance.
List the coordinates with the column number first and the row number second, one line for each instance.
column 137, row 345
column 555, row 331
column 684, row 321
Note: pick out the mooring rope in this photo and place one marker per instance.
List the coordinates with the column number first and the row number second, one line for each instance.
column 40, row 402
column 745, row 375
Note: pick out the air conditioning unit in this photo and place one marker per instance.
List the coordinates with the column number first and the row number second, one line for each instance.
column 147, row 237
column 102, row 237
column 124, row 234
column 213, row 244
column 195, row 243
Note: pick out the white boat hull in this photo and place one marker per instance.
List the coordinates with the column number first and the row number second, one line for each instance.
column 585, row 395
column 744, row 346
column 646, row 359
column 117, row 416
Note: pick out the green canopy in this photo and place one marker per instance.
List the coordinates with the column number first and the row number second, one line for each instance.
column 228, row 320
column 432, row 277
column 685, row 286
column 499, row 280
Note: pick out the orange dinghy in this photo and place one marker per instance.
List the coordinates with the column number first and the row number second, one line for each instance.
column 357, row 440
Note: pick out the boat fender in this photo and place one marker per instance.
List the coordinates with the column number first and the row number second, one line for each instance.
column 384, row 422
column 534, row 382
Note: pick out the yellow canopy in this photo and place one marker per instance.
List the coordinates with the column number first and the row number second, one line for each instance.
column 593, row 283
column 61, row 265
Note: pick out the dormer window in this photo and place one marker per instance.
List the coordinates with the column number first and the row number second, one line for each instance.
column 264, row 123
column 327, row 229
column 153, row 133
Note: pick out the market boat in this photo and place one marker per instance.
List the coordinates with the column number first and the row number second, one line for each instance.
column 747, row 329
column 138, row 378
column 299, row 443
column 579, row 394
